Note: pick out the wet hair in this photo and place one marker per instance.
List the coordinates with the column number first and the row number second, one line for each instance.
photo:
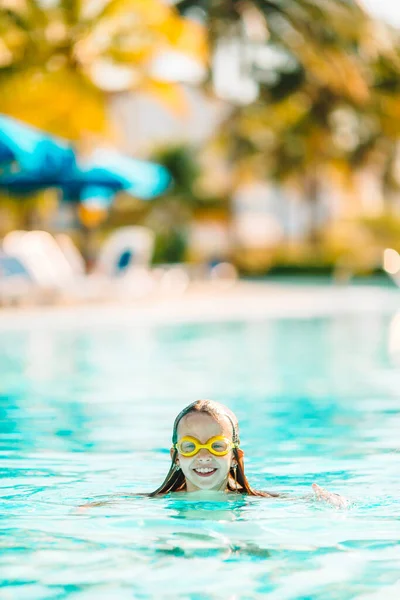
column 237, row 481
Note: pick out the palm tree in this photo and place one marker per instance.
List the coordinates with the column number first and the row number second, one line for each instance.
column 325, row 88
column 284, row 42
column 62, row 60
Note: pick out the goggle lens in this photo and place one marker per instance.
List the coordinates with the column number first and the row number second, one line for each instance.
column 220, row 447
column 186, row 447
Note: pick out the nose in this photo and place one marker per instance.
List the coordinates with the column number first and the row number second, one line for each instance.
column 204, row 456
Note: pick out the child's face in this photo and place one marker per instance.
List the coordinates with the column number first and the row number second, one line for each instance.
column 196, row 469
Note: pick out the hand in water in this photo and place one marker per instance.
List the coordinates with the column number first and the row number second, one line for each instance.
column 329, row 497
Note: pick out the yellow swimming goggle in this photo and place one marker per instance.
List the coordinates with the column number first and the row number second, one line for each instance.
column 217, row 445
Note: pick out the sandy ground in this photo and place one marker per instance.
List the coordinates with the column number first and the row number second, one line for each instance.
column 207, row 303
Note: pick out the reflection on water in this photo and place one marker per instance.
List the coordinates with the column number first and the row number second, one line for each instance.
column 86, row 415
column 214, row 506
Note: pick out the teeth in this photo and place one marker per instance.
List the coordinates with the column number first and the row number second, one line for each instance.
column 204, row 470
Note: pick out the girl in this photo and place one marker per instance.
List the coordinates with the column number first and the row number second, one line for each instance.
column 206, row 455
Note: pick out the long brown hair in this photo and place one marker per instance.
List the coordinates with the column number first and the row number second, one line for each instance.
column 237, row 480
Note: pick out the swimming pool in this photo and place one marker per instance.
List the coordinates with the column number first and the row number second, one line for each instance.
column 87, row 410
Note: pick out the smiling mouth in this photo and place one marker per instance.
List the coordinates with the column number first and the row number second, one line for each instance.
column 205, row 471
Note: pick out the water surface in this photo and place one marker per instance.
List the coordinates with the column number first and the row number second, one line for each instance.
column 86, row 415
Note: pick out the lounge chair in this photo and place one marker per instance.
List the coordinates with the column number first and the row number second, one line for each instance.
column 16, row 284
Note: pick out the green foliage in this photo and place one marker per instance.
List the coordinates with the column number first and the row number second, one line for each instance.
column 170, row 247
column 182, row 163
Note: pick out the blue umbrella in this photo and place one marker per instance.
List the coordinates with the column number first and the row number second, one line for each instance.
column 106, row 172
column 97, row 180
column 139, row 178
column 33, row 152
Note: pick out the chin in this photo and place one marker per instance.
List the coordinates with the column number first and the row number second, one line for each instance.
column 208, row 485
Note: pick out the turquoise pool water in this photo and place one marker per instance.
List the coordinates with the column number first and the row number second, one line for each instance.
column 86, row 413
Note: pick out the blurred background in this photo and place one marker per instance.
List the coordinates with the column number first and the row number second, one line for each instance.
column 147, row 144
